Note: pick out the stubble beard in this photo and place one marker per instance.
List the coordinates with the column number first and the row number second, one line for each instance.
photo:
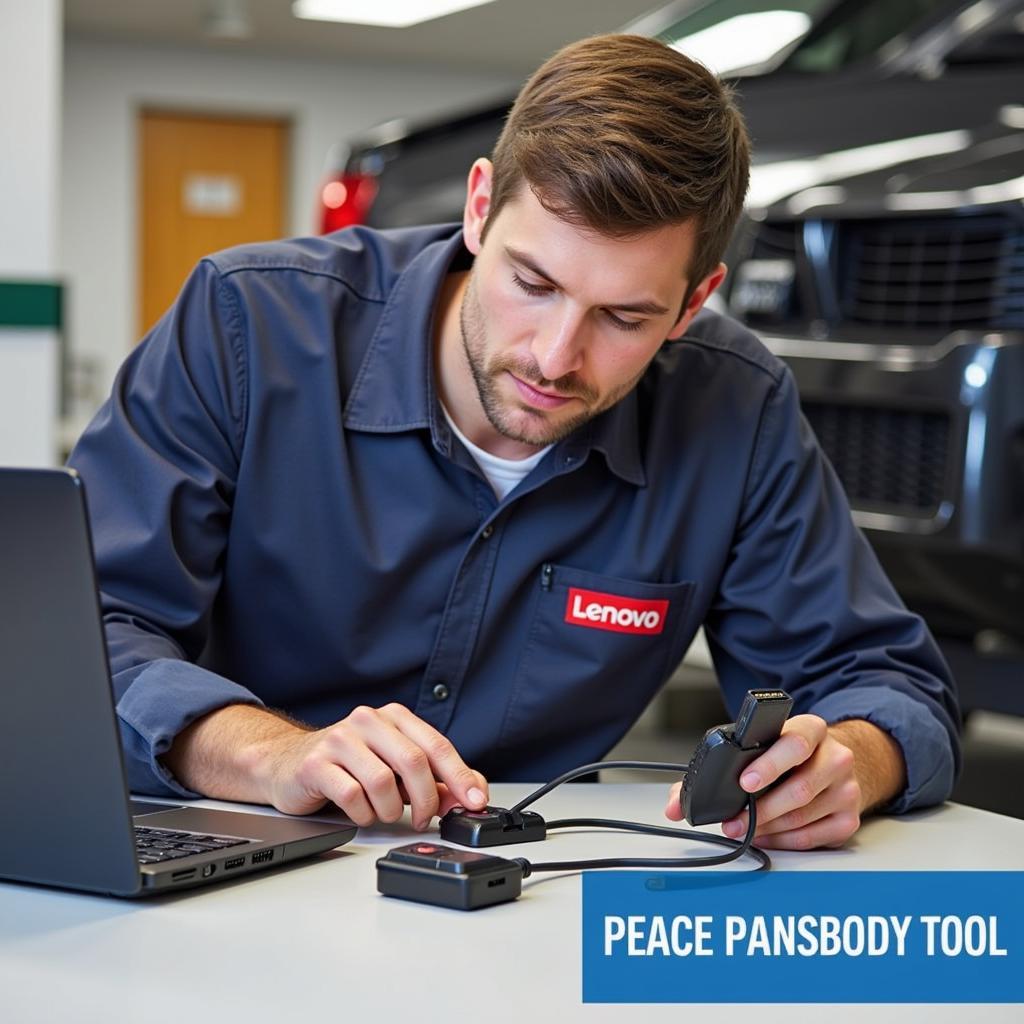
column 537, row 429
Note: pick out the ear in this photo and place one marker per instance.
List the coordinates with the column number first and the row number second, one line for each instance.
column 478, row 203
column 700, row 295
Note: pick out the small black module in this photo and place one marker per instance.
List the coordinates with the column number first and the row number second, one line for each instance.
column 446, row 877
column 493, row 826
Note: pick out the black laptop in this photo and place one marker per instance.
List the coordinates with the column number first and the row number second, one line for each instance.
column 66, row 817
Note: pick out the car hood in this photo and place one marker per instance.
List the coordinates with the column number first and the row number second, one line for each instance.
column 887, row 145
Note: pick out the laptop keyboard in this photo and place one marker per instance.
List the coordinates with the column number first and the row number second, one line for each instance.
column 155, row 845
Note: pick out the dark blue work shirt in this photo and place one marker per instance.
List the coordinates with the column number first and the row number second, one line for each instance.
column 282, row 515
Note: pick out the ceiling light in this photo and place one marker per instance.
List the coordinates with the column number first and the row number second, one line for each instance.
column 390, row 13
column 744, row 40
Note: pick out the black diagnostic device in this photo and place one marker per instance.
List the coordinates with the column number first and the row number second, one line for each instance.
column 493, row 826
column 446, row 877
column 711, row 789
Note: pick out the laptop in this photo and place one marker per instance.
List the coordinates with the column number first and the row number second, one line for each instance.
column 66, row 816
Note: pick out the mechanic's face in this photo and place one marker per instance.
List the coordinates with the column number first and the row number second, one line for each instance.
column 557, row 322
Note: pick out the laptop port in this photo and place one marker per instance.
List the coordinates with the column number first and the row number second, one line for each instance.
column 234, row 862
column 180, row 876
column 263, row 856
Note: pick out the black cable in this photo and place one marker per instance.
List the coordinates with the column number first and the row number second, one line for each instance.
column 738, row 847
column 590, row 769
column 677, row 833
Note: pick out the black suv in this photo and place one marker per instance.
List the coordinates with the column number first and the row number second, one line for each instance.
column 882, row 256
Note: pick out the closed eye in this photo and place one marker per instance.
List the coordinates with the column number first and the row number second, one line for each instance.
column 538, row 290
column 624, row 325
column 529, row 288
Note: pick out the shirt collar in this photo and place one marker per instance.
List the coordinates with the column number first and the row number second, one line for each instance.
column 616, row 434
column 394, row 389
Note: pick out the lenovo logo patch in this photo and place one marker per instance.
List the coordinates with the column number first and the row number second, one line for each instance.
column 595, row 610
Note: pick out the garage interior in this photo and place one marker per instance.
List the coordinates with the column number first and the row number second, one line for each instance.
column 140, row 130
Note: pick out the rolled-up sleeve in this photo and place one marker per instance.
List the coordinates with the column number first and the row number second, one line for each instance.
column 804, row 606
column 160, row 461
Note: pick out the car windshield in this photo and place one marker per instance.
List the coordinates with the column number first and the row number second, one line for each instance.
column 749, row 37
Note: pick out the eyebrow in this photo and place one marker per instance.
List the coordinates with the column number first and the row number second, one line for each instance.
column 649, row 307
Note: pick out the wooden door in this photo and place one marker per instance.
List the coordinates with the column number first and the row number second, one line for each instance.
column 206, row 183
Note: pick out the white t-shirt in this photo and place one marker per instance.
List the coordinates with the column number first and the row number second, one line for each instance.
column 502, row 474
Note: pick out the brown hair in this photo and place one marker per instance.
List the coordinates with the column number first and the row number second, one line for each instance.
column 623, row 134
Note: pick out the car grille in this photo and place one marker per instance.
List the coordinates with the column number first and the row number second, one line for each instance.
column 920, row 276
column 944, row 273
column 891, row 460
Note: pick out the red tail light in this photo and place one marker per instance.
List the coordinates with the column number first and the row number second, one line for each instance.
column 346, row 200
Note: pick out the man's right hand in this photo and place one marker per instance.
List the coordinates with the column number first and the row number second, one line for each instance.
column 370, row 764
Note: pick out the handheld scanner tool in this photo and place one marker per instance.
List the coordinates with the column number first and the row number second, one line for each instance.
column 711, row 788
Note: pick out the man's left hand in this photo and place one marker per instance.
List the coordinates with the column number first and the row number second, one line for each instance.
column 837, row 774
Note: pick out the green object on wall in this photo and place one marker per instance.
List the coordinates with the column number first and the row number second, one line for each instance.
column 31, row 304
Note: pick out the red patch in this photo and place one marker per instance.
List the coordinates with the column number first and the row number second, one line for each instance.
column 595, row 610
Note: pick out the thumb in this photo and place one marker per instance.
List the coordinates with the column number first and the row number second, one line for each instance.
column 673, row 811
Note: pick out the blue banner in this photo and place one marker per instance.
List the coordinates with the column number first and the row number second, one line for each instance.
column 803, row 937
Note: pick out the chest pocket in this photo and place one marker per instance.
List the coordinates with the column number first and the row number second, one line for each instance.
column 597, row 649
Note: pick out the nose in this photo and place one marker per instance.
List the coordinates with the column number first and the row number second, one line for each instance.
column 558, row 347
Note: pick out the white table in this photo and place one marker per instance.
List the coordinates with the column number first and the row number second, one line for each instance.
column 315, row 942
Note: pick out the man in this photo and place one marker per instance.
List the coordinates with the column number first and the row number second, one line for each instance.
column 452, row 503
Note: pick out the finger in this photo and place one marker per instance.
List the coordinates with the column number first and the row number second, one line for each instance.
column 801, row 736
column 447, row 798
column 344, row 790
column 348, row 748
column 834, row 830
column 736, row 827
column 421, row 824
column 402, row 757
column 842, row 797
column 447, row 766
column 673, row 810
column 799, row 790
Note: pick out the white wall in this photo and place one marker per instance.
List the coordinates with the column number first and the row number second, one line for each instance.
column 30, row 72
column 30, row 66
column 106, row 84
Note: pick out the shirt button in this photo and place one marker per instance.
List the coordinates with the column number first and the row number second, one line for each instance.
column 441, row 692
column 487, row 531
